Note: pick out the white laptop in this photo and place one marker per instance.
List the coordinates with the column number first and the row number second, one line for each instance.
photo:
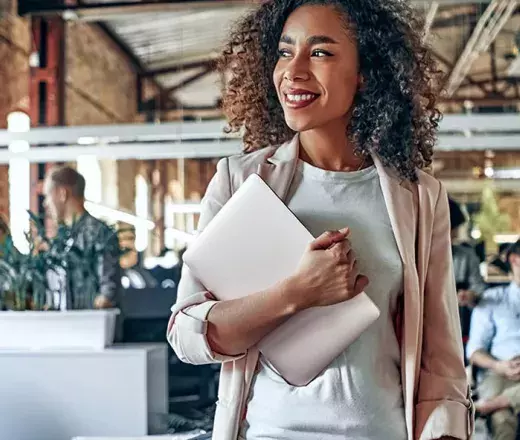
column 254, row 242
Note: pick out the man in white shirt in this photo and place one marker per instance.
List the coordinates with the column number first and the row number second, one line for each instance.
column 494, row 345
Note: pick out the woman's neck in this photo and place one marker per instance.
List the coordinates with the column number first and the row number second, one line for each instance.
column 329, row 149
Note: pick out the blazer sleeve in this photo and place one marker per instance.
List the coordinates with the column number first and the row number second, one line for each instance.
column 444, row 406
column 188, row 324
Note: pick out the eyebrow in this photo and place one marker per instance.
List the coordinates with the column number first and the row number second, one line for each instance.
column 311, row 41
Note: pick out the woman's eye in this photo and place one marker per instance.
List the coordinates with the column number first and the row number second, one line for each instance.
column 283, row 53
column 321, row 53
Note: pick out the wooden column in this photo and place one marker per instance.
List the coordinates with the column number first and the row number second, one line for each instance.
column 159, row 188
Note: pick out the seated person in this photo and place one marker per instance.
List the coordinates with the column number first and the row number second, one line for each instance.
column 470, row 285
column 494, row 345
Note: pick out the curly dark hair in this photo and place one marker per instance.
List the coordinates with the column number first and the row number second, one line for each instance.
column 394, row 115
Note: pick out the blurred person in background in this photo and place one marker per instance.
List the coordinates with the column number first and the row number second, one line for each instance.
column 494, row 346
column 466, row 267
column 64, row 191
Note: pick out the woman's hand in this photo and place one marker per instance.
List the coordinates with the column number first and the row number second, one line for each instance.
column 328, row 272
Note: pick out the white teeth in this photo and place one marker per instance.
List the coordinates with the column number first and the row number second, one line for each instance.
column 299, row 98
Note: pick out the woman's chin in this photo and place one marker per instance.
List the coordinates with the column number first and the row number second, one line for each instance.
column 300, row 124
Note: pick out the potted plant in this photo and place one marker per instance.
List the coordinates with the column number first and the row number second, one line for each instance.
column 23, row 276
column 35, row 316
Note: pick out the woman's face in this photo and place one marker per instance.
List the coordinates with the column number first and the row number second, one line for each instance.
column 316, row 76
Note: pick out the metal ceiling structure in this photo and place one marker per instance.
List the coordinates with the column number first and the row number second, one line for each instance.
column 175, row 43
column 495, row 17
column 430, row 17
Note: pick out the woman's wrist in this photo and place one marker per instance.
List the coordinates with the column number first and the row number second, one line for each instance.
column 293, row 295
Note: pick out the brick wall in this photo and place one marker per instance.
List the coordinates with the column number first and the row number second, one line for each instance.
column 100, row 81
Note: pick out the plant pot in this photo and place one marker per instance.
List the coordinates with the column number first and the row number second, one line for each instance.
column 69, row 329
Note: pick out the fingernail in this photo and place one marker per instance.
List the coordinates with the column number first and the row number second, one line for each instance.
column 344, row 230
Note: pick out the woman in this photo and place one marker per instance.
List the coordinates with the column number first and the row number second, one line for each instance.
column 336, row 105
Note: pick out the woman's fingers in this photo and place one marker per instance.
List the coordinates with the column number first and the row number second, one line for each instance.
column 328, row 239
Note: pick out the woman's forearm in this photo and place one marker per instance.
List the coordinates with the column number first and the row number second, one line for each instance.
column 237, row 325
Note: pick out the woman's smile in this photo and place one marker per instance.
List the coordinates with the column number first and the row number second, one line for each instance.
column 299, row 98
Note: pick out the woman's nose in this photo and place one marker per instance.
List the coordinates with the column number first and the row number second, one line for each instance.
column 297, row 70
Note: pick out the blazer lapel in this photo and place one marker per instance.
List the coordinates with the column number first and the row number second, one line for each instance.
column 403, row 213
column 401, row 210
column 278, row 171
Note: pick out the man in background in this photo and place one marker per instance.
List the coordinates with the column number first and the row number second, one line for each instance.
column 494, row 347
column 64, row 191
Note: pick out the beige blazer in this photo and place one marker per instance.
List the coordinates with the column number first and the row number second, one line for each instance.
column 436, row 393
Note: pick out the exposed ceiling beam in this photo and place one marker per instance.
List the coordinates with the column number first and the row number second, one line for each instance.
column 449, row 65
column 179, row 68
column 454, row 21
column 105, row 10
column 211, row 148
column 102, row 10
column 430, row 18
column 496, row 15
column 188, row 80
column 483, row 125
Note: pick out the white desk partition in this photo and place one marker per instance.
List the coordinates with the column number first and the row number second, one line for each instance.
column 59, row 395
